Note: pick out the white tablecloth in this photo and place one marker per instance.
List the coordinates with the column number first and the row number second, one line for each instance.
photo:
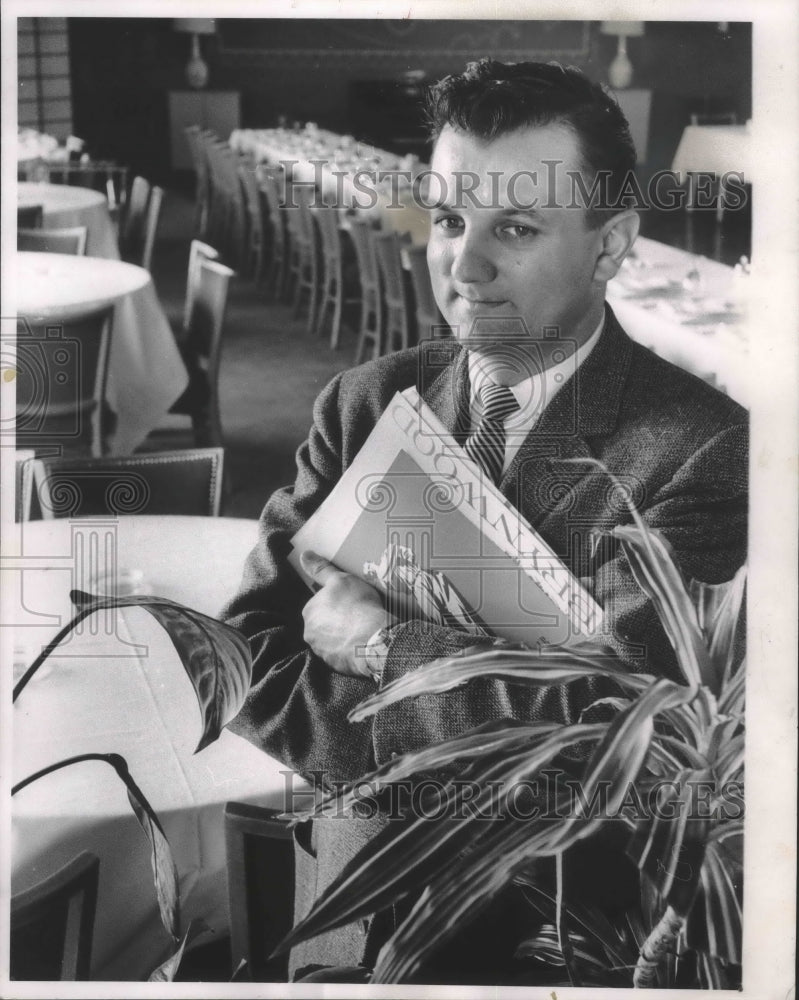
column 338, row 173
column 703, row 329
column 65, row 206
column 124, row 690
column 146, row 373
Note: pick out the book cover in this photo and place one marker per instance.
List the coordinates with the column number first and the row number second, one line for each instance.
column 415, row 517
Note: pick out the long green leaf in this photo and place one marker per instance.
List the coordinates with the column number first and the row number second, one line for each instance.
column 165, row 874
column 497, row 735
column 652, row 563
column 719, row 608
column 405, row 854
column 215, row 656
column 517, row 666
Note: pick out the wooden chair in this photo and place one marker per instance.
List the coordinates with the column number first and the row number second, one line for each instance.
column 303, row 251
column 334, row 283
column 52, row 924
column 429, row 321
column 61, row 383
column 270, row 180
column 202, row 354
column 371, row 332
column 70, row 240
column 194, row 140
column 397, row 329
column 198, row 252
column 254, row 253
column 167, row 482
column 141, row 223
column 23, row 484
column 260, row 867
column 30, row 217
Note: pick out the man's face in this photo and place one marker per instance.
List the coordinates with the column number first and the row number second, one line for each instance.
column 493, row 260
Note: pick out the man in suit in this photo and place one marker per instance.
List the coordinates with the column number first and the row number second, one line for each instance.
column 527, row 229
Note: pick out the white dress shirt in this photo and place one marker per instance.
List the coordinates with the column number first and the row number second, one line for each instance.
column 532, row 394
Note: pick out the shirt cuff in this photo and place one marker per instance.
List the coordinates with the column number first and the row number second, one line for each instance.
column 375, row 653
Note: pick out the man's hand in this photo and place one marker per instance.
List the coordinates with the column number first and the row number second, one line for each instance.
column 341, row 617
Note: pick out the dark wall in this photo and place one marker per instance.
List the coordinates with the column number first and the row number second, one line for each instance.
column 123, row 69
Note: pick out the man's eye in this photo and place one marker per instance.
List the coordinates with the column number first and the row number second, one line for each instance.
column 449, row 223
column 518, row 231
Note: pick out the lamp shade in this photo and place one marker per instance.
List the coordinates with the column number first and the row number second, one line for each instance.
column 625, row 29
column 195, row 25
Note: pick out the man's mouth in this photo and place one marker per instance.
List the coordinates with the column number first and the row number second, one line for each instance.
column 475, row 301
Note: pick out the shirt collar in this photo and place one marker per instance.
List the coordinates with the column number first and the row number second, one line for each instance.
column 535, row 392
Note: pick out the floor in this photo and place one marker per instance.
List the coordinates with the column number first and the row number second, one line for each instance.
column 272, row 369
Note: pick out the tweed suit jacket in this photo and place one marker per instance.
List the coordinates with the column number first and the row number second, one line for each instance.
column 677, row 446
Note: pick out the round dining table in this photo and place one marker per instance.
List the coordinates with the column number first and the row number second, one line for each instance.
column 146, row 373
column 118, row 686
column 65, row 205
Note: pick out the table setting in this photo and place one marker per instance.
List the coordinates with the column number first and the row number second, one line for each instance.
column 347, row 174
column 688, row 309
column 116, row 685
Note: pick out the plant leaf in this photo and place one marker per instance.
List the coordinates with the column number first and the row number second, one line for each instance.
column 719, row 608
column 168, row 969
column 651, row 560
column 165, row 874
column 715, row 922
column 522, row 666
column 497, row 735
column 215, row 656
column 409, row 851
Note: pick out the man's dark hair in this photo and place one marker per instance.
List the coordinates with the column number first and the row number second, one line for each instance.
column 492, row 98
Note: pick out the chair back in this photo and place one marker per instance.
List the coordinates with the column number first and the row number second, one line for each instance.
column 23, row 484
column 62, row 370
column 198, row 251
column 134, row 223
column 52, row 924
column 70, row 240
column 327, row 219
column 427, row 313
column 260, row 866
column 363, row 234
column 30, row 217
column 151, row 226
column 255, row 217
column 167, row 482
column 389, row 260
column 203, row 353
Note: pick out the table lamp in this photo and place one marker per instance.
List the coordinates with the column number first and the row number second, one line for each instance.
column 620, row 71
column 196, row 67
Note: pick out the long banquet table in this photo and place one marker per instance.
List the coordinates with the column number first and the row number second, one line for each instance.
column 344, row 169
column 690, row 310
column 120, row 687
column 65, row 205
column 146, row 373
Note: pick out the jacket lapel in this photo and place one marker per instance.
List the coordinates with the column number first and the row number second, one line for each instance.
column 587, row 406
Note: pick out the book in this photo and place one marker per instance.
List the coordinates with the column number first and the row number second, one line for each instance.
column 414, row 516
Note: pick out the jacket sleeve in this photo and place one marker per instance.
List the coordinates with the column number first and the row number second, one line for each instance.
column 297, row 706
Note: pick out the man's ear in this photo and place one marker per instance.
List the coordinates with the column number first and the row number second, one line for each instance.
column 618, row 235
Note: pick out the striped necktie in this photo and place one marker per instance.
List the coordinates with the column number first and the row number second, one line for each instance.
column 487, row 445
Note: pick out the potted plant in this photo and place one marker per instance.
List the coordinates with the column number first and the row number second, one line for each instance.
column 676, row 747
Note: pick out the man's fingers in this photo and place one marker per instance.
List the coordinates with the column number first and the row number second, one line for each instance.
column 317, row 567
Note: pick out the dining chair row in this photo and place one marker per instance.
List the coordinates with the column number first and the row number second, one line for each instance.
column 186, row 481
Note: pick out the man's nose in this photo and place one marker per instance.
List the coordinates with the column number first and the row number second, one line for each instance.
column 471, row 263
